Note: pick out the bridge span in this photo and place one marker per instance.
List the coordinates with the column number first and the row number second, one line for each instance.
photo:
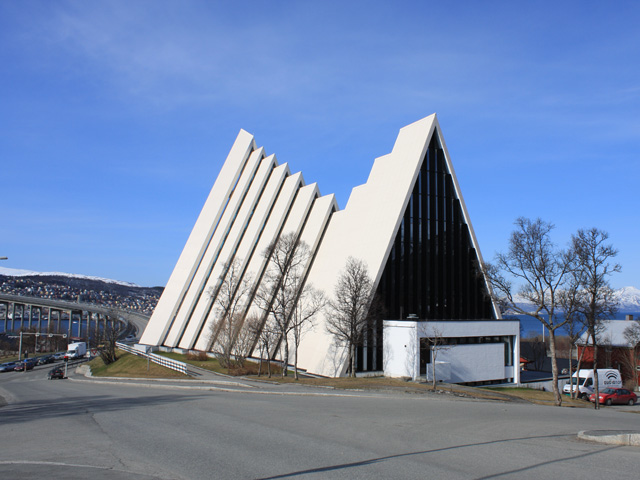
column 73, row 318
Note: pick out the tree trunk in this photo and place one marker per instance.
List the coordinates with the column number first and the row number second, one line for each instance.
column 353, row 360
column 633, row 360
column 295, row 364
column 575, row 393
column 285, row 358
column 571, row 392
column 596, row 380
column 433, row 374
column 554, row 367
column 596, row 390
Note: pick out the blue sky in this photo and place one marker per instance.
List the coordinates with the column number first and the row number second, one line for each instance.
column 116, row 116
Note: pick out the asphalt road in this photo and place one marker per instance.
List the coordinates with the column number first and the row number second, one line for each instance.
column 79, row 429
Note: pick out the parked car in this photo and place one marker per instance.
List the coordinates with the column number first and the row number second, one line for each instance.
column 583, row 380
column 57, row 372
column 615, row 395
column 25, row 365
column 58, row 357
column 8, row 367
column 45, row 360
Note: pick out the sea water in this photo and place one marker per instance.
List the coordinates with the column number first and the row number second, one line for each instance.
column 530, row 326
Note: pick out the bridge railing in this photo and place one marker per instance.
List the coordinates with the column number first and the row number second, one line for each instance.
column 159, row 359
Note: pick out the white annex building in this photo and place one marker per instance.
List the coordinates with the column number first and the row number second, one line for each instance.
column 408, row 223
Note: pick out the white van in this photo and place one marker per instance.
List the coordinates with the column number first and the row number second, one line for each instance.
column 607, row 377
column 76, row 350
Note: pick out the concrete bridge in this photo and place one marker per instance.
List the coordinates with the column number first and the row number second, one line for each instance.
column 74, row 319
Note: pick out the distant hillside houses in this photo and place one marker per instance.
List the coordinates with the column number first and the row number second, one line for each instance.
column 83, row 290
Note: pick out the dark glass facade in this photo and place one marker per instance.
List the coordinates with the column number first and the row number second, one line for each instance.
column 432, row 270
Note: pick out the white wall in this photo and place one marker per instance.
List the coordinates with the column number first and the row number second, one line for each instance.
column 474, row 363
column 401, row 354
column 462, row 363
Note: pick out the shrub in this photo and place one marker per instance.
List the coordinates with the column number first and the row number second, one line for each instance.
column 197, row 356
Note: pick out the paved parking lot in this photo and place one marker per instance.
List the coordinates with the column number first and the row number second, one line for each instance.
column 78, row 428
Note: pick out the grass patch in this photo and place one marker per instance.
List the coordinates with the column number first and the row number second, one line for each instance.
column 9, row 358
column 131, row 366
column 212, row 364
column 538, row 396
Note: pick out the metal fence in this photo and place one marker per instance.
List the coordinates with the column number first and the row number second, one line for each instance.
column 159, row 359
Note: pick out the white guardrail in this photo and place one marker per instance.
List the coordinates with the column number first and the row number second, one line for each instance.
column 159, row 359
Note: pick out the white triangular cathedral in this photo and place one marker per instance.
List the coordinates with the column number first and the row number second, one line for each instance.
column 408, row 223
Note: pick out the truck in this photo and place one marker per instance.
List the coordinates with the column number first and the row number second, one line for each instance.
column 607, row 377
column 76, row 350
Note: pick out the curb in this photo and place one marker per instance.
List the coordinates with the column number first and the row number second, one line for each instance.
column 86, row 371
column 612, row 437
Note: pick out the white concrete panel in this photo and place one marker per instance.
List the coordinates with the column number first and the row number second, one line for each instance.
column 300, row 209
column 225, row 224
column 315, row 224
column 297, row 214
column 255, row 242
column 254, row 177
column 189, row 259
column 470, row 328
column 317, row 221
column 272, row 229
column 247, row 249
column 204, row 311
column 474, row 363
column 365, row 230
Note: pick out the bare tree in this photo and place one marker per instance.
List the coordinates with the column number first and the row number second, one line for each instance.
column 437, row 343
column 348, row 318
column 29, row 340
column 575, row 323
column 106, row 338
column 309, row 303
column 536, row 350
column 632, row 336
column 541, row 270
column 265, row 335
column 229, row 297
column 243, row 343
column 596, row 299
column 282, row 286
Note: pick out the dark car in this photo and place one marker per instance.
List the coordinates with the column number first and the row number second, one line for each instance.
column 57, row 372
column 25, row 364
column 44, row 360
column 57, row 357
column 615, row 395
column 8, row 367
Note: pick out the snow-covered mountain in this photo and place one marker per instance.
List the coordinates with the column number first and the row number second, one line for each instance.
column 629, row 299
column 13, row 272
